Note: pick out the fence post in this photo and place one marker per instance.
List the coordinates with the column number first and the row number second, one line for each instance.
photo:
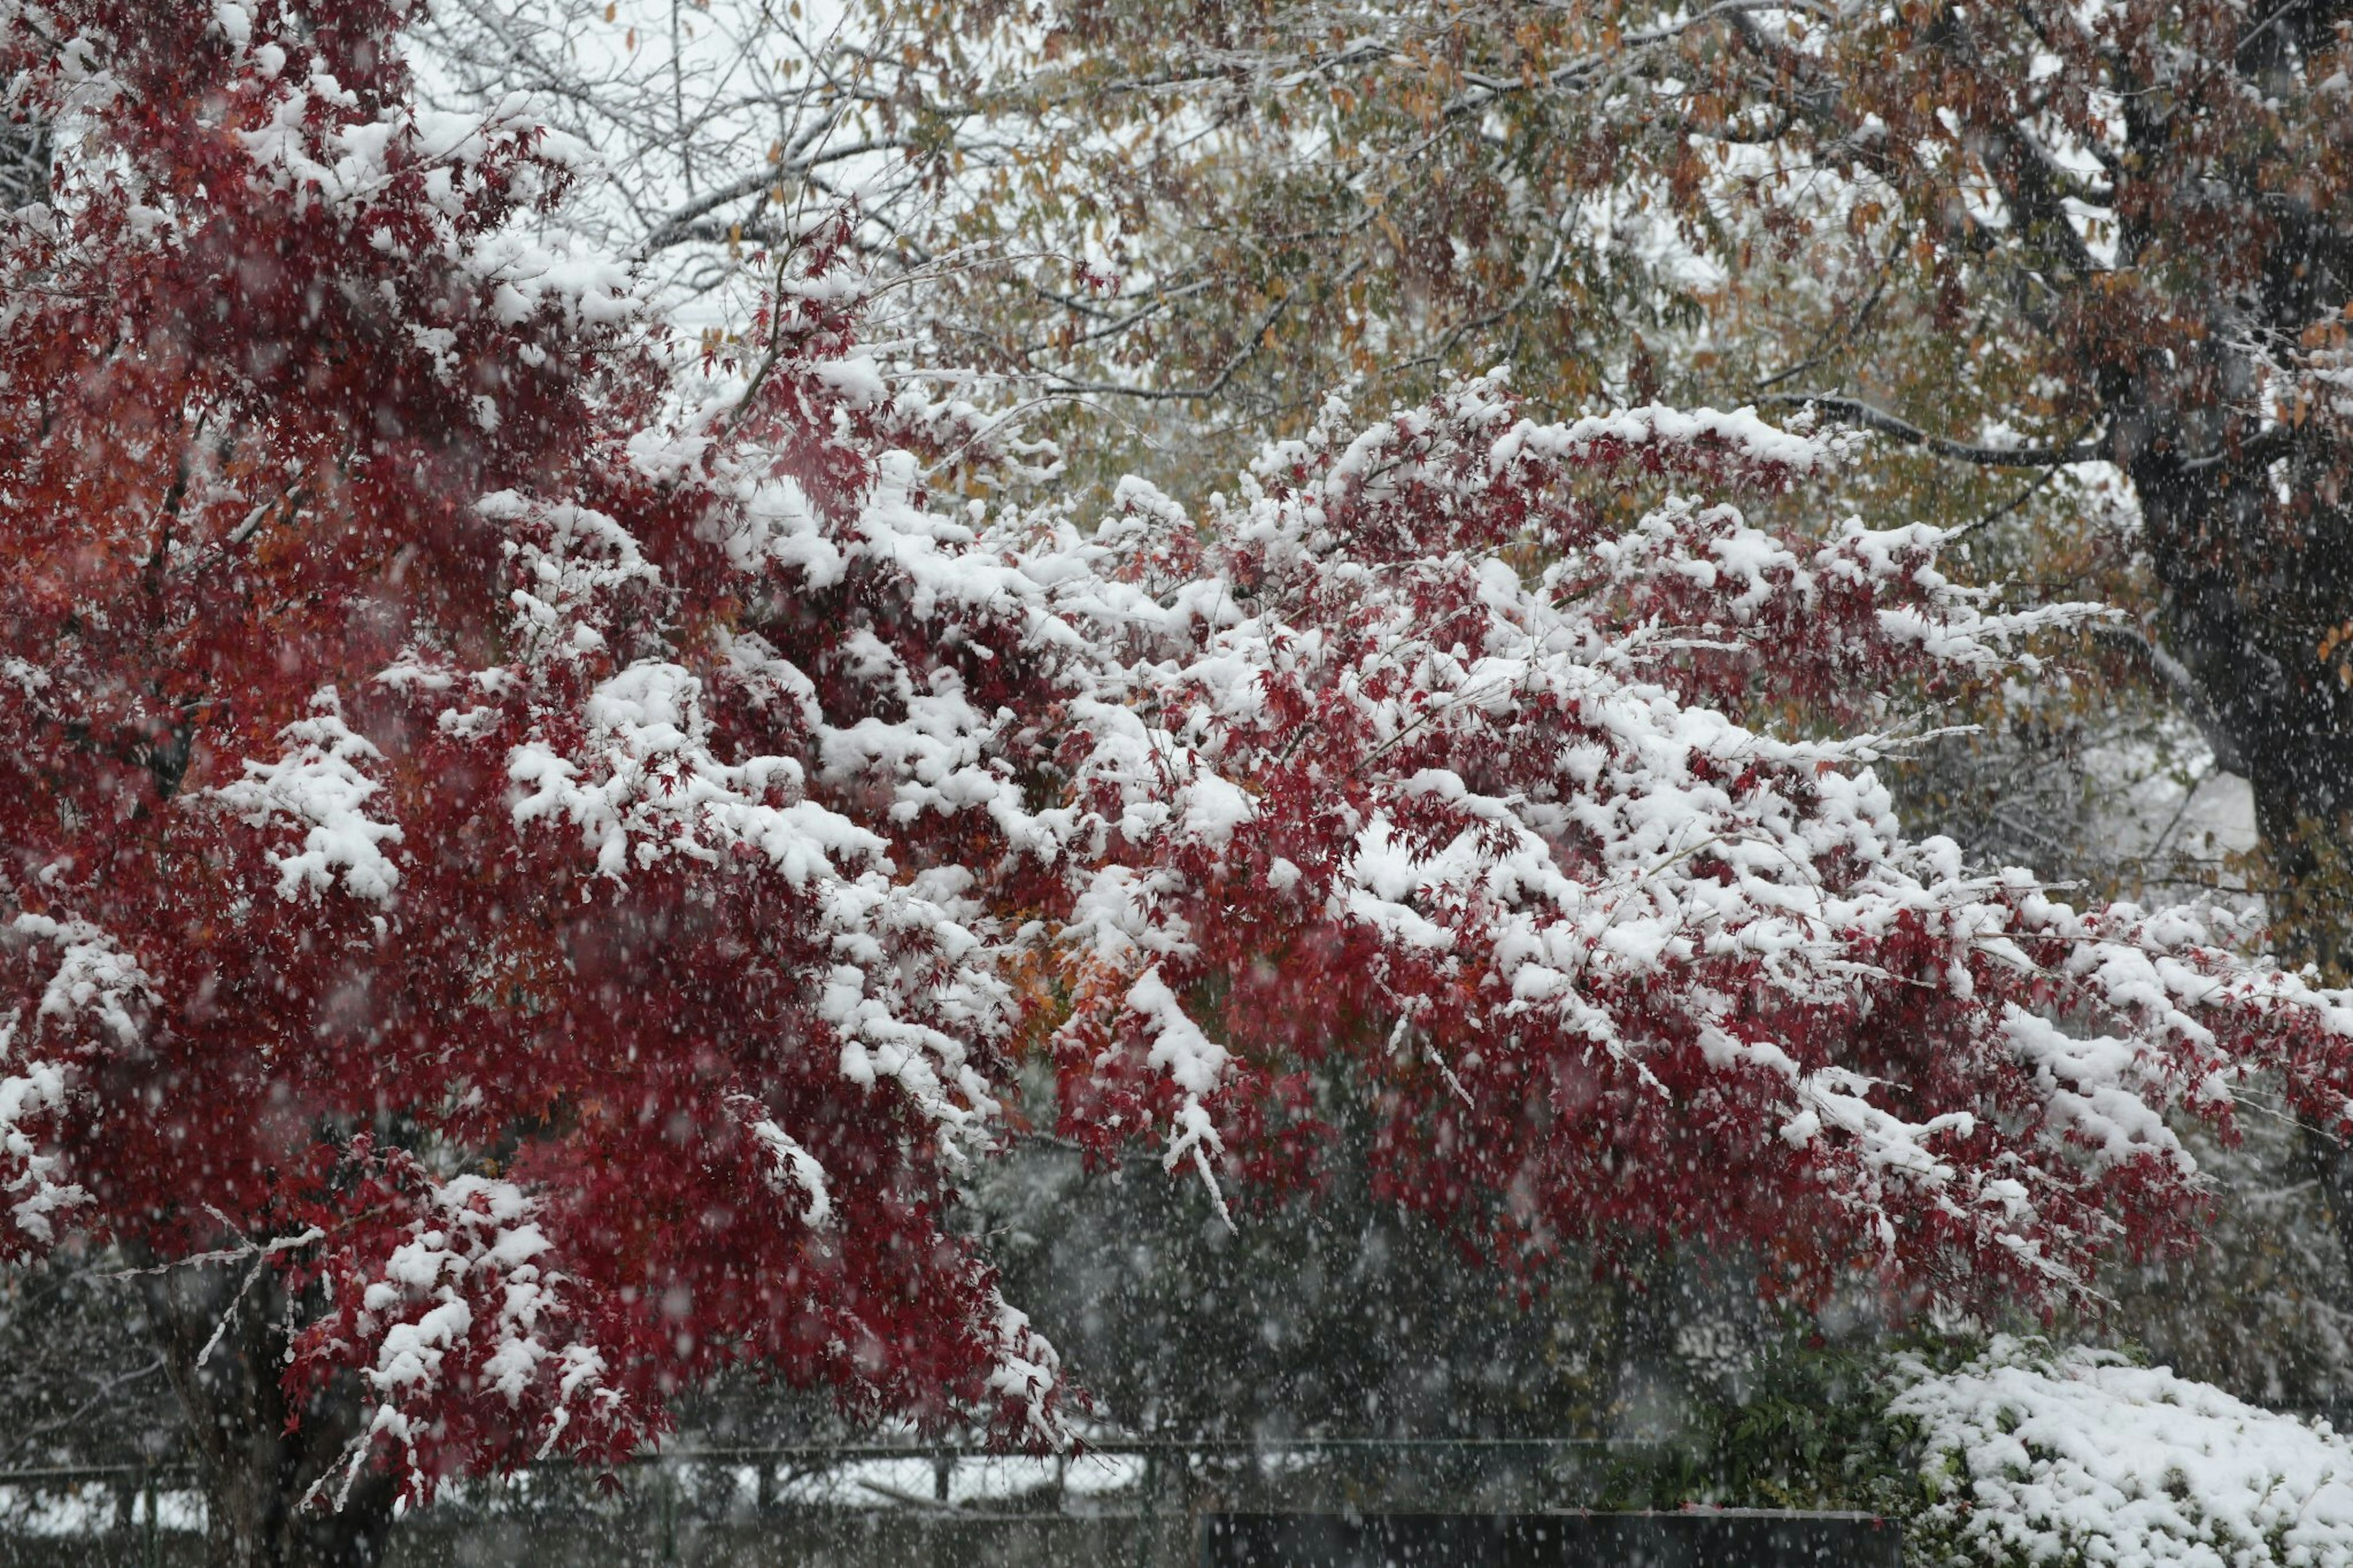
column 151, row 1551
column 1147, row 1540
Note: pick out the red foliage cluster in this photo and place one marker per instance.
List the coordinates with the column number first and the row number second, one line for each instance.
column 1616, row 963
column 371, row 870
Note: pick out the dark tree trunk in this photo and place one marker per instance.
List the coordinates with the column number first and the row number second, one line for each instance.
column 1645, row 1311
column 2257, row 589
column 223, row 1331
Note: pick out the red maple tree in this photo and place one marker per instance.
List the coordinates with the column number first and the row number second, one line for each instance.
column 426, row 897
column 523, row 886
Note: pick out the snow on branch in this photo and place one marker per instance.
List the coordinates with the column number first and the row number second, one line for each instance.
column 92, row 999
column 318, row 785
column 94, row 977
column 1549, row 814
column 789, row 1169
column 465, row 1301
column 1881, row 422
column 29, row 1178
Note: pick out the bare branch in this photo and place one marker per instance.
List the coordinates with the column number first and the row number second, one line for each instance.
column 2181, row 686
column 1856, row 412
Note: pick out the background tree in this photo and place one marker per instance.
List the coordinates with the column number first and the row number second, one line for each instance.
column 84, row 1385
column 2122, row 228
column 720, row 129
column 1292, row 1324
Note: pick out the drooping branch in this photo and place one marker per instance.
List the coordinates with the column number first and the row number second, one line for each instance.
column 2179, row 684
column 1855, row 411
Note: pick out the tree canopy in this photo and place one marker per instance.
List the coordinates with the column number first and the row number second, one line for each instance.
column 533, row 858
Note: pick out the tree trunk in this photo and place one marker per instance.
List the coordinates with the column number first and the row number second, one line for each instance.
column 1649, row 1398
column 2256, row 591
column 223, row 1330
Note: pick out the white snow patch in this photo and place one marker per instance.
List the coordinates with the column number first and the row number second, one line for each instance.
column 2073, row 1456
column 318, row 785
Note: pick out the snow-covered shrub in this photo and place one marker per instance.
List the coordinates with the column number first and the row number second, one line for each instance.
column 2036, row 1454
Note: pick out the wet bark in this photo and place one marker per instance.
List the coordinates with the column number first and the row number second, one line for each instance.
column 223, row 1330
column 2255, row 585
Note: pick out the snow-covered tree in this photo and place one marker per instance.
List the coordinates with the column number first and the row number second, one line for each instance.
column 1409, row 730
column 524, row 887
column 432, row 944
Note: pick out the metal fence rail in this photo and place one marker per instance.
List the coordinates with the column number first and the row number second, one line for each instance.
column 1148, row 1502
